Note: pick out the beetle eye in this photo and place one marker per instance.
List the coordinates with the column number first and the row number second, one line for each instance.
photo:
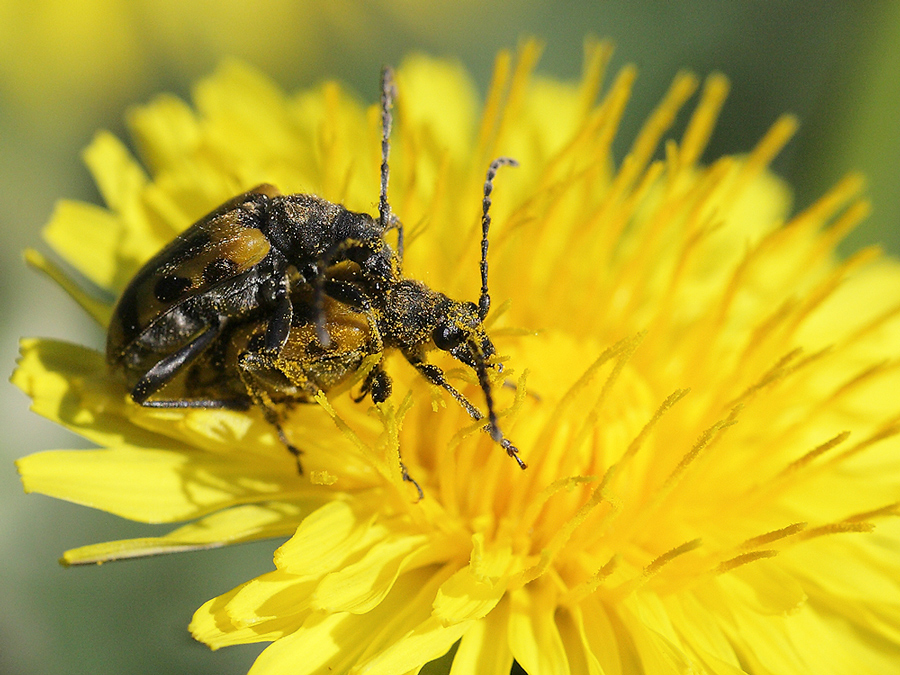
column 447, row 337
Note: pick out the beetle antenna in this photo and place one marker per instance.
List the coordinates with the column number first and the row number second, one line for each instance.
column 492, row 427
column 388, row 92
column 484, row 302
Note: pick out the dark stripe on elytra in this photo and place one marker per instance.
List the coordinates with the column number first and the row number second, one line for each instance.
column 187, row 249
column 173, row 255
column 171, row 287
column 219, row 269
column 128, row 316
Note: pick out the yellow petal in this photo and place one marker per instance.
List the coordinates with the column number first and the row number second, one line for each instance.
column 362, row 585
column 323, row 644
column 166, row 132
column 331, row 643
column 766, row 587
column 426, row 642
column 229, row 526
column 716, row 666
column 706, row 638
column 827, row 650
column 532, row 633
column 99, row 310
column 764, row 642
column 151, row 486
column 443, row 107
column 107, row 246
column 482, row 648
column 214, row 626
column 581, row 660
column 655, row 641
column 271, row 597
column 848, row 573
column 69, row 384
column 88, row 237
column 582, row 656
column 325, row 539
column 117, row 174
column 466, row 596
column 244, row 101
column 601, row 638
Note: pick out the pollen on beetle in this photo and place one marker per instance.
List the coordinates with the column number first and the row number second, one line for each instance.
column 703, row 390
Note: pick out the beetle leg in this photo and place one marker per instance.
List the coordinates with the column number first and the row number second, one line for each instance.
column 218, row 404
column 378, row 261
column 251, row 367
column 378, row 384
column 291, row 448
column 165, row 369
column 380, row 387
column 280, row 325
column 436, row 376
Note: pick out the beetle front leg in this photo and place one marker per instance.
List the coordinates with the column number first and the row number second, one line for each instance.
column 436, row 376
column 279, row 326
column 378, row 384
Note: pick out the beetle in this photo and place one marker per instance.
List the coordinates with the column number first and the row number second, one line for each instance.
column 238, row 262
column 243, row 307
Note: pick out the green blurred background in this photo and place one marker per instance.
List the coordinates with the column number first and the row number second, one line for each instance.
column 69, row 68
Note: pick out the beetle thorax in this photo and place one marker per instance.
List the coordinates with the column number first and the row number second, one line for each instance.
column 306, row 227
column 411, row 311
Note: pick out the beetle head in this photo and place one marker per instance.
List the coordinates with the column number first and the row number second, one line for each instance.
column 461, row 332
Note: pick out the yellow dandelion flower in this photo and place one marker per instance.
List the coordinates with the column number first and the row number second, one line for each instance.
column 703, row 391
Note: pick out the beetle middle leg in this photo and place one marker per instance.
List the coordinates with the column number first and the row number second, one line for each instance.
column 255, row 369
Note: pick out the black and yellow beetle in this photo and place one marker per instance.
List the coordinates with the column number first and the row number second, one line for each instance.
column 242, row 307
column 237, row 263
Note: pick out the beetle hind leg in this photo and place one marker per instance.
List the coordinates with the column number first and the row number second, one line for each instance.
column 167, row 368
column 291, row 448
